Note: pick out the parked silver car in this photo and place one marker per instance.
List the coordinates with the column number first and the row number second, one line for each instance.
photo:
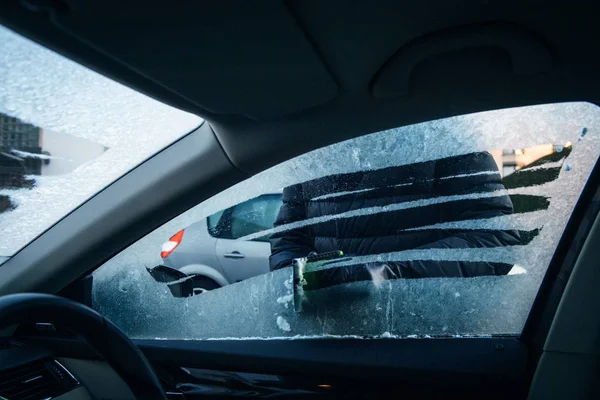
column 210, row 249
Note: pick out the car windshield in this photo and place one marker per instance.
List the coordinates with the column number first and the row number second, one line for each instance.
column 439, row 229
column 67, row 132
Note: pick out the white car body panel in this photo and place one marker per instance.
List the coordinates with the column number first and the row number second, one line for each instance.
column 241, row 259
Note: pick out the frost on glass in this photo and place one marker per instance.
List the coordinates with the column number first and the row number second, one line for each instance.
column 262, row 306
column 66, row 100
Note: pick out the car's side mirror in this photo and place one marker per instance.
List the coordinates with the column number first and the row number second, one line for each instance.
column 179, row 283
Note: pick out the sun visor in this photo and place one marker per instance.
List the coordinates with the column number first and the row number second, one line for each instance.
column 527, row 55
column 229, row 58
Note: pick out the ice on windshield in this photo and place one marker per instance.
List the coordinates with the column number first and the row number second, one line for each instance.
column 67, row 132
column 480, row 202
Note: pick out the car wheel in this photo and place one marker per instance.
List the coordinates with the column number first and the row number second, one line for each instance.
column 203, row 284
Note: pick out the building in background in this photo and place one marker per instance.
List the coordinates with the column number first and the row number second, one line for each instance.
column 16, row 134
column 27, row 150
column 511, row 160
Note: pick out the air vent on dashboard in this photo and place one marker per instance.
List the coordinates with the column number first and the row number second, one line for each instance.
column 36, row 381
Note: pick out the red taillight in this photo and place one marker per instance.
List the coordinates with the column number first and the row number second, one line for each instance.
column 168, row 247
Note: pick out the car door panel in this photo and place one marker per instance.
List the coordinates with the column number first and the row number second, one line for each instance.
column 243, row 259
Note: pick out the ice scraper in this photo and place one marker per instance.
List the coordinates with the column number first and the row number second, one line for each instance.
column 305, row 265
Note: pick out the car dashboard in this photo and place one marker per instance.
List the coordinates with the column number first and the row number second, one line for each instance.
column 39, row 361
column 30, row 372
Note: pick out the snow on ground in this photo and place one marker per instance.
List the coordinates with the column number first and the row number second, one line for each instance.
column 54, row 93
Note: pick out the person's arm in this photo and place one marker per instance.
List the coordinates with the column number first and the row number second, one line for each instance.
column 294, row 243
column 446, row 268
column 477, row 165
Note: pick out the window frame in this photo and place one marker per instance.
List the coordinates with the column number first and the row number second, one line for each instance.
column 217, row 230
column 554, row 283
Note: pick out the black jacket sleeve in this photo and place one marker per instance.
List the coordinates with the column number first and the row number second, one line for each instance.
column 471, row 188
column 455, row 269
column 484, row 180
column 293, row 243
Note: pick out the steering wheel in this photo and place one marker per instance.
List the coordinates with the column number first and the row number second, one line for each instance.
column 108, row 340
